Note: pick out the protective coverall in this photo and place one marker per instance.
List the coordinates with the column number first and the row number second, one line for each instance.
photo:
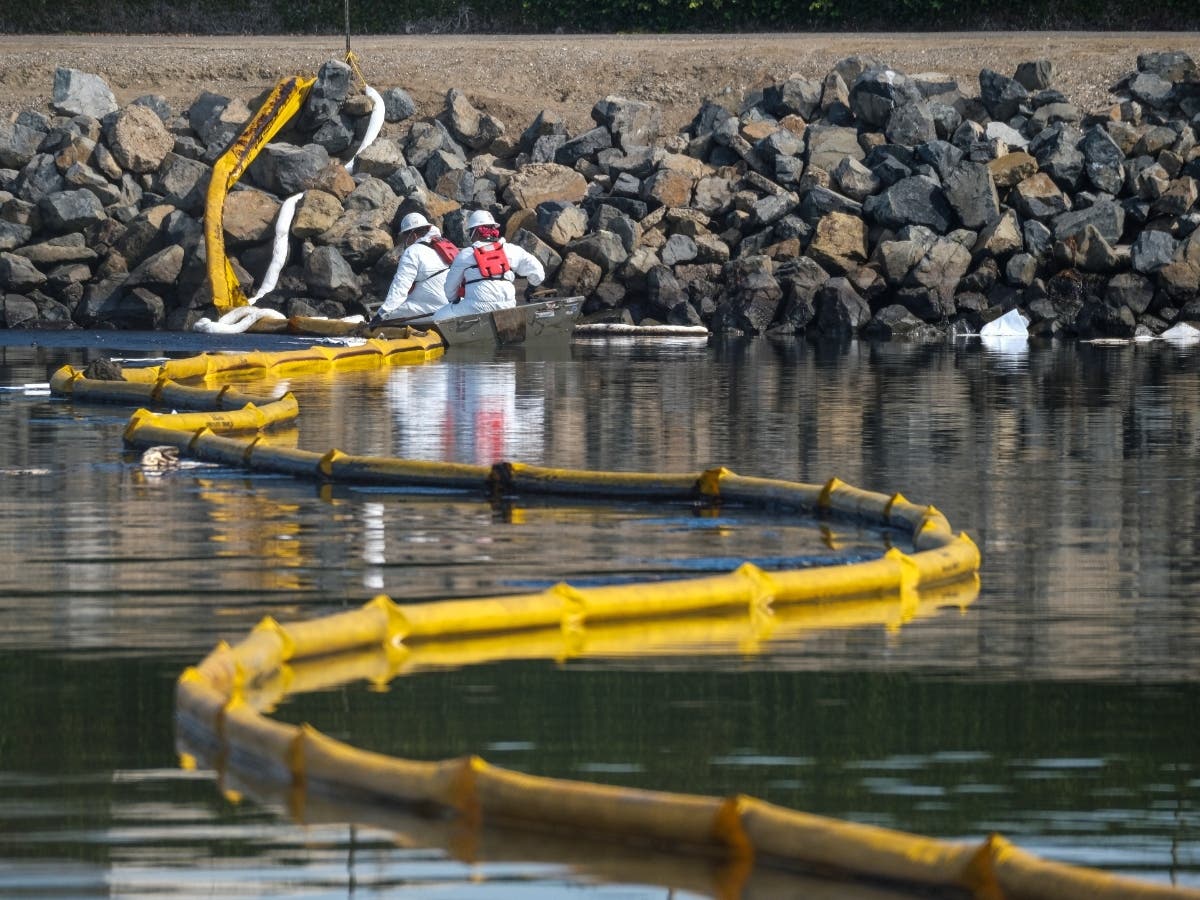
column 487, row 294
column 418, row 285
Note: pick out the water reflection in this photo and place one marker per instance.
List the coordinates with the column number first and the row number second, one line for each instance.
column 1059, row 708
column 471, row 413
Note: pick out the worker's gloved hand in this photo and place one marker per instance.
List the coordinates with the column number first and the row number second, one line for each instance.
column 375, row 322
column 529, row 289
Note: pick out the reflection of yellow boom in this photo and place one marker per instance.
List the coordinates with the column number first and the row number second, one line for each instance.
column 741, row 631
column 739, row 839
column 283, row 103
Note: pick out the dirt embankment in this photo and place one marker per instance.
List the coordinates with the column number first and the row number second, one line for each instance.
column 513, row 77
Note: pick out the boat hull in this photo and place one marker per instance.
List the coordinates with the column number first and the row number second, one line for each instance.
column 548, row 321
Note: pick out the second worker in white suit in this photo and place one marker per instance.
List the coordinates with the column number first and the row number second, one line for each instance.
column 417, row 286
column 482, row 275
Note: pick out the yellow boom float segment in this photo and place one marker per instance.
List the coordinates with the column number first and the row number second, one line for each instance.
column 221, row 701
column 281, row 104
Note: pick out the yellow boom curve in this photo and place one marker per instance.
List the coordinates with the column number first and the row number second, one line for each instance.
column 221, row 703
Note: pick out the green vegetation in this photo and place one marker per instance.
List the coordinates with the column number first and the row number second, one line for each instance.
column 391, row 16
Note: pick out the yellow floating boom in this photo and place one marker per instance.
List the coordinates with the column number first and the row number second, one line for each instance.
column 222, row 701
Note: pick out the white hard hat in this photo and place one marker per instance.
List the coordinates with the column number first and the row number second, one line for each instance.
column 480, row 217
column 412, row 222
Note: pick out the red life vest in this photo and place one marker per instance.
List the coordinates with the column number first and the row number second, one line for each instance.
column 492, row 262
column 445, row 248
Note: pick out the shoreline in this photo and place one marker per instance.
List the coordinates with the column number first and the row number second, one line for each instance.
column 519, row 75
column 878, row 198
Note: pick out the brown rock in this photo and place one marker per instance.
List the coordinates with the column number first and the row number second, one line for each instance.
column 756, row 131
column 435, row 205
column 668, row 188
column 381, row 159
column 522, row 218
column 839, row 243
column 1001, row 238
column 360, row 236
column 794, row 124
column 249, row 217
column 1012, row 168
column 79, row 150
column 539, row 182
column 711, row 249
column 103, row 160
column 1038, row 197
column 1180, row 279
column 578, row 276
column 783, row 250
column 334, row 179
column 315, row 213
column 138, row 139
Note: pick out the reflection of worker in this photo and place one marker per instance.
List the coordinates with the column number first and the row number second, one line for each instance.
column 486, row 270
column 417, row 286
column 475, row 413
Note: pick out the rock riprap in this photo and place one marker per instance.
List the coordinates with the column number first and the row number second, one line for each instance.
column 871, row 202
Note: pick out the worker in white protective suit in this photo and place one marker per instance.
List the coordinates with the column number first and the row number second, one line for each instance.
column 482, row 275
column 418, row 286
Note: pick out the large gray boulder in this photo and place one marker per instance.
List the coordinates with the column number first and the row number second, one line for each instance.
column 473, row 128
column 1170, row 65
column 911, row 124
column 77, row 93
column 543, row 252
column 39, row 178
column 1104, row 162
column 1151, row 90
column 795, row 96
column 19, row 275
column 161, row 270
column 13, row 234
column 182, row 182
column 1035, row 75
column 1152, row 250
column 911, row 201
column 841, row 312
column 632, row 123
column 679, row 248
column 971, row 193
column 381, row 159
column 18, row 144
column 64, row 211
column 583, row 146
column 1002, row 96
column 329, row 276
column 398, row 105
column 603, row 248
column 328, row 93
column 285, row 169
column 1108, row 218
column 877, row 92
column 1058, row 155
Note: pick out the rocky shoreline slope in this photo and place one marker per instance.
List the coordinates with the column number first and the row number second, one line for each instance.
column 871, row 203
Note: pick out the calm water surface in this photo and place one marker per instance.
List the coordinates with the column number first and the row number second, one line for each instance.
column 1060, row 706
